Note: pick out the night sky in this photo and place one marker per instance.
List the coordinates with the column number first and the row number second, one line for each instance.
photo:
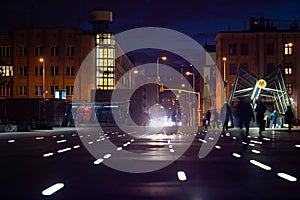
column 199, row 19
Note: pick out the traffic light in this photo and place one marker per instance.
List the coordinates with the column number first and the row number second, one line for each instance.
column 225, row 84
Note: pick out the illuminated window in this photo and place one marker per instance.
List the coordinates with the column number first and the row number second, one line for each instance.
column 288, row 48
column 289, row 88
column 288, row 71
column 7, row 70
column 53, row 89
column 105, row 61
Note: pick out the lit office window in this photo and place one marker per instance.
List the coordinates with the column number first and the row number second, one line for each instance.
column 288, row 48
column 288, row 71
column 7, row 70
column 105, row 61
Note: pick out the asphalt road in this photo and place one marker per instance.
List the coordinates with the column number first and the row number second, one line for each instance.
column 256, row 168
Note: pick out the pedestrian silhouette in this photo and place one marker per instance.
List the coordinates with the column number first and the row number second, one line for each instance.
column 226, row 115
column 289, row 116
column 207, row 116
column 260, row 114
column 215, row 121
column 274, row 118
column 245, row 114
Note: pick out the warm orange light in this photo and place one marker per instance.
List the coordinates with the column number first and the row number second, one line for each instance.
column 164, row 57
column 189, row 73
column 224, row 58
column 135, row 71
column 41, row 59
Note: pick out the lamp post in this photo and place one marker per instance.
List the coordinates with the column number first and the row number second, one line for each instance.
column 42, row 60
column 225, row 80
column 135, row 71
column 194, row 89
column 157, row 74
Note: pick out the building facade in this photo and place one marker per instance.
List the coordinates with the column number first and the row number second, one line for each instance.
column 266, row 45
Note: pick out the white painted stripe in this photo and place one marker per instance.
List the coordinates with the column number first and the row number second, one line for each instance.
column 217, row 147
column 181, row 176
column 255, row 151
column 297, row 145
column 132, row 140
column 11, row 141
column 76, row 147
column 62, row 136
column 244, row 143
column 236, row 155
column 48, row 154
column 172, row 150
column 73, row 135
column 211, row 138
column 39, row 138
column 234, row 138
column 91, row 142
column 107, row 156
column 64, row 150
column 287, row 177
column 98, row 161
column 252, row 145
column 98, row 140
column 256, row 142
column 267, row 139
column 170, row 146
column 54, row 136
column 119, row 148
column 258, row 164
column 52, row 189
column 61, row 141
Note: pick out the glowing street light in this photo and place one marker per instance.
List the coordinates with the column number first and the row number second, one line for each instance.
column 157, row 75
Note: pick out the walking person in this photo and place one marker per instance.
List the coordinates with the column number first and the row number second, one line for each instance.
column 226, row 116
column 245, row 114
column 215, row 121
column 274, row 117
column 207, row 116
column 260, row 114
column 289, row 116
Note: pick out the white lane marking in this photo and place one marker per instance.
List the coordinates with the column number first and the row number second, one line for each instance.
column 64, row 150
column 297, row 145
column 98, row 161
column 261, row 165
column 256, row 142
column 74, row 135
column 252, row 145
column 236, row 155
column 244, row 143
column 267, row 139
column 255, row 151
column 287, row 177
column 39, row 138
column 61, row 141
column 172, row 150
column 91, row 142
column 217, row 147
column 119, row 148
column 76, row 147
column 11, row 141
column 107, row 156
column 52, row 189
column 48, row 154
column 181, row 176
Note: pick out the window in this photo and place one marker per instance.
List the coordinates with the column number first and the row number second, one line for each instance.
column 232, row 49
column 53, row 89
column 288, row 48
column 39, row 51
column 289, row 88
column 270, row 49
column 69, row 90
column 36, row 90
column 54, row 50
column 288, row 70
column 23, row 51
column 22, row 90
column 54, row 71
column 23, row 71
column 232, row 69
column 7, row 70
column 38, row 71
column 5, row 90
column 244, row 49
column 70, row 50
column 70, row 71
column 5, row 50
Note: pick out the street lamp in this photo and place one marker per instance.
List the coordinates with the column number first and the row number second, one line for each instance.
column 135, row 71
column 192, row 74
column 225, row 80
column 42, row 60
column 157, row 74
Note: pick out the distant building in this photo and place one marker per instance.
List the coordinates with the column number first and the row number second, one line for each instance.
column 266, row 45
